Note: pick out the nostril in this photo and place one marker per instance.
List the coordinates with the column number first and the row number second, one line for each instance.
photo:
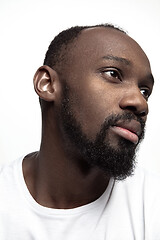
column 134, row 102
column 135, row 111
column 143, row 114
column 130, row 108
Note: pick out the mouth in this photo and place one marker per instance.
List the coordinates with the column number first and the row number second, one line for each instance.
column 129, row 130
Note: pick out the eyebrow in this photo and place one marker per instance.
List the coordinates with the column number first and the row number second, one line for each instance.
column 151, row 78
column 118, row 59
column 127, row 62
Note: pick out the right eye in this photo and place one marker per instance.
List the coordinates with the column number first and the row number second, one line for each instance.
column 112, row 73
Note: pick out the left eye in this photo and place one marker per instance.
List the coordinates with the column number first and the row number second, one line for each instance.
column 145, row 92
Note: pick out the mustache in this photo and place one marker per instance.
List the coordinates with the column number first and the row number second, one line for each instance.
column 113, row 119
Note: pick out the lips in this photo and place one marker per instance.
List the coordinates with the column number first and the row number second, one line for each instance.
column 129, row 130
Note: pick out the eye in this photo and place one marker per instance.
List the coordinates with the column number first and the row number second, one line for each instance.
column 113, row 74
column 145, row 92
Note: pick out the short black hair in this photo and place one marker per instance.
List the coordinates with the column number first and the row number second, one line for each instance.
column 58, row 46
column 57, row 49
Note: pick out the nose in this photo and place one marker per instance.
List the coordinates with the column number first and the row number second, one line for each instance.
column 134, row 101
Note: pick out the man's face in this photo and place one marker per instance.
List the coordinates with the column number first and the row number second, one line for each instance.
column 107, row 81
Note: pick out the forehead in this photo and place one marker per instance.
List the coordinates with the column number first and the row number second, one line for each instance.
column 95, row 43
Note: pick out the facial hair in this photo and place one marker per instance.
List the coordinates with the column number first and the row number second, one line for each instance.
column 117, row 162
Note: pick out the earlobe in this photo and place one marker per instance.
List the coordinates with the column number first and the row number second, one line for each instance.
column 45, row 83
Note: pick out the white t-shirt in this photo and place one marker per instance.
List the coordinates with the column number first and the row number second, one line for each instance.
column 127, row 210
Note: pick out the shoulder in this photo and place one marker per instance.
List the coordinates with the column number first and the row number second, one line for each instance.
column 9, row 173
column 143, row 182
column 142, row 187
column 142, row 178
column 9, row 167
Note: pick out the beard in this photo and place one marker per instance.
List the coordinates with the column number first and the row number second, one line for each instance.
column 117, row 162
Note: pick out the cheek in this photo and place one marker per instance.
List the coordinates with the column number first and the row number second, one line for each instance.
column 92, row 104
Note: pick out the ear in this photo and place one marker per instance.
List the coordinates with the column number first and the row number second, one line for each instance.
column 46, row 83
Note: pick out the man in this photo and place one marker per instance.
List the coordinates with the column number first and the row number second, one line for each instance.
column 93, row 90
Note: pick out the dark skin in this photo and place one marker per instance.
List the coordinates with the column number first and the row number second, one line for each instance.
column 107, row 72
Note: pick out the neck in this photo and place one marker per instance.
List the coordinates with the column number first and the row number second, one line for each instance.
column 58, row 180
column 59, row 183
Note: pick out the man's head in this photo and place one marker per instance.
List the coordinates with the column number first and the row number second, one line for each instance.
column 98, row 90
column 58, row 47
